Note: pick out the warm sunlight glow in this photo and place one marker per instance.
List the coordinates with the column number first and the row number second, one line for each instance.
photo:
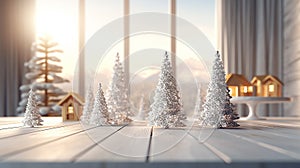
column 55, row 23
column 59, row 19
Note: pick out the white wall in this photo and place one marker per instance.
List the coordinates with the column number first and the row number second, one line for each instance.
column 292, row 56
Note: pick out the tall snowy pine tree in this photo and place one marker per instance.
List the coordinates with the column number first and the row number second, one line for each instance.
column 88, row 106
column 216, row 96
column 118, row 101
column 32, row 117
column 42, row 76
column 166, row 110
column 100, row 114
column 229, row 113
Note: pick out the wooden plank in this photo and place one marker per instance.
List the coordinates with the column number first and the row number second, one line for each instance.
column 62, row 150
column 10, row 120
column 274, row 130
column 254, row 141
column 10, row 126
column 17, row 131
column 128, row 144
column 16, row 122
column 279, row 144
column 277, row 123
column 238, row 149
column 14, row 145
column 176, row 145
column 148, row 165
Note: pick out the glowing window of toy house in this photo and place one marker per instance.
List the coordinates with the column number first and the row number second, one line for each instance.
column 70, row 109
column 245, row 89
column 271, row 88
column 250, row 89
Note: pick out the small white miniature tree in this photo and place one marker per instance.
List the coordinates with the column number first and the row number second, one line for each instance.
column 100, row 114
column 166, row 110
column 88, row 106
column 229, row 113
column 216, row 96
column 32, row 117
column 117, row 101
column 198, row 104
column 141, row 114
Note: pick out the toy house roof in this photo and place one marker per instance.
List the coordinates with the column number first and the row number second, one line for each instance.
column 237, row 80
column 264, row 78
column 71, row 95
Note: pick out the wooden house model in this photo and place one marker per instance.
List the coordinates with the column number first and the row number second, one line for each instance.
column 71, row 106
column 239, row 85
column 267, row 86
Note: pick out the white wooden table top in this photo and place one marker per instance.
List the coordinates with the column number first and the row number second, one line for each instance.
column 274, row 142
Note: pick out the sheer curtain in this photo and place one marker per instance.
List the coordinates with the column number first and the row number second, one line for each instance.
column 251, row 39
column 16, row 37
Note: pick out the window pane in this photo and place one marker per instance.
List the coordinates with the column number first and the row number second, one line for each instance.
column 59, row 18
column 138, row 6
column 201, row 13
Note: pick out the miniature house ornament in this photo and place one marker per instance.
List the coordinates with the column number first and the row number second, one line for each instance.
column 267, row 86
column 239, row 85
column 72, row 106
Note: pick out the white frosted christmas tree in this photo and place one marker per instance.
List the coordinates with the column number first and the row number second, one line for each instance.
column 88, row 106
column 32, row 117
column 42, row 76
column 216, row 96
column 118, row 101
column 166, row 110
column 100, row 114
column 229, row 113
column 198, row 103
column 142, row 111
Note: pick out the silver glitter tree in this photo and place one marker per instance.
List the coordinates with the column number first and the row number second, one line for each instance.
column 166, row 110
column 100, row 114
column 229, row 113
column 117, row 101
column 216, row 96
column 88, row 106
column 32, row 116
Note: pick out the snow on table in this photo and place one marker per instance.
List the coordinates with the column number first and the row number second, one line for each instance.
column 273, row 142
